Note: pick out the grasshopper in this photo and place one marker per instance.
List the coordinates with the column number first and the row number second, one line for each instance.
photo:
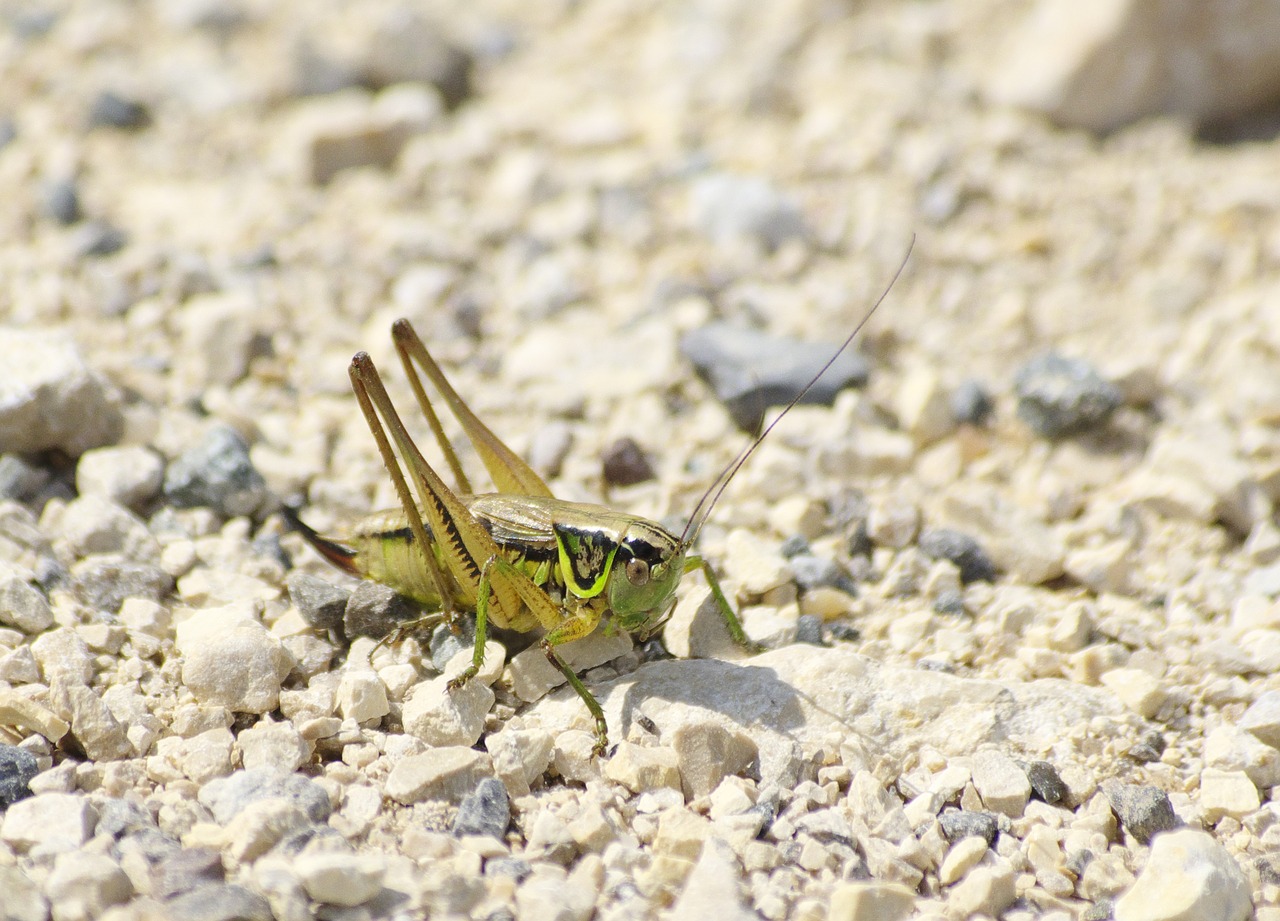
column 519, row 558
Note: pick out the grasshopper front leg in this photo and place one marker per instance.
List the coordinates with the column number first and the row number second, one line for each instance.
column 731, row 621
column 563, row 627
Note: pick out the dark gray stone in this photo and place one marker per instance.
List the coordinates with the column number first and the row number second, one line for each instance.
column 321, row 604
column 961, row 549
column 219, row 902
column 185, row 870
column 812, row 572
column 217, row 473
column 1046, row 783
column 103, row 584
column 624, row 463
column 62, row 201
column 959, row 823
column 376, row 610
column 1059, row 397
column 515, row 867
column 17, row 768
column 971, row 404
column 1143, row 810
column 98, row 238
column 751, row 371
column 20, row 479
column 809, row 630
column 112, row 110
column 486, row 810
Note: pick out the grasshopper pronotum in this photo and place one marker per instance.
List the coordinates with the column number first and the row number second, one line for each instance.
column 519, row 557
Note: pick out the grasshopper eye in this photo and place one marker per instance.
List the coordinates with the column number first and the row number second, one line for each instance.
column 637, row 571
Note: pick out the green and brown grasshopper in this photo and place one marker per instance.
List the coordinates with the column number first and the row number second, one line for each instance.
column 520, row 558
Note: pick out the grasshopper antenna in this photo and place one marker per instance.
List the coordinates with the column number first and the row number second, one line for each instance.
column 702, row 511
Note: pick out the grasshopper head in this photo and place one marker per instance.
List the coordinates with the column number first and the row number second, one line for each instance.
column 646, row 572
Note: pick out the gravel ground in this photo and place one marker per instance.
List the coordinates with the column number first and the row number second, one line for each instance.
column 1019, row 590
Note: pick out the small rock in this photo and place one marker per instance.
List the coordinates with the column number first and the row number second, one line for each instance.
column 1017, row 542
column 1002, row 786
column 1143, row 810
column 964, row 855
column 17, row 767
column 957, row 824
column 49, row 398
column 272, row 745
column 1060, row 397
column 624, row 464
column 63, row 657
column 22, row 605
column 707, row 753
column 320, row 603
column 263, row 825
column 549, row 447
column 893, row 523
column 751, row 371
column 185, row 870
column 1190, row 877
column 21, row 711
column 728, row 208
column 20, row 479
column 1137, row 690
column 870, row 901
column 447, row 773
column 105, row 583
column 1046, row 783
column 985, row 890
column 714, row 887
column 640, row 769
column 410, row 48
column 362, row 696
column 220, row 335
column 520, row 756
column 971, row 404
column 230, row 663
column 486, row 810
column 62, row 201
column 922, row 405
column 112, row 110
column 49, row 823
column 341, row 879
column 1231, row 748
column 83, row 886
column 227, row 797
column 441, row 717
column 532, row 676
column 22, row 898
column 1227, row 793
column 217, row 473
column 376, row 610
column 93, row 724
column 219, row 902
column 961, row 549
column 1262, row 718
column 128, row 476
column 97, row 239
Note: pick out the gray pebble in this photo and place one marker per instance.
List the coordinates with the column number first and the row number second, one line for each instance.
column 1059, row 396
column 1046, row 784
column 1149, row 748
column 185, row 870
column 376, row 610
column 484, row 811
column 217, row 473
column 447, row 642
column 845, row 633
column 219, row 902
column 961, row 549
column 112, row 110
column 727, row 207
column 62, row 201
column 1142, row 810
column 624, row 463
column 8, row 131
column 751, row 371
column 971, row 404
column 225, row 797
column 1102, row 910
column 950, row 603
column 17, row 768
column 104, row 583
column 959, row 823
column 809, row 630
column 120, row 817
column 515, row 867
column 794, row 546
column 321, row 604
column 20, row 479
column 812, row 572
column 98, row 238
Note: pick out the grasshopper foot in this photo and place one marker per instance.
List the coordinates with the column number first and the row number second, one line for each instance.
column 466, row 675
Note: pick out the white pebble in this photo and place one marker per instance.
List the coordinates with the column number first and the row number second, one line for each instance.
column 1188, row 877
